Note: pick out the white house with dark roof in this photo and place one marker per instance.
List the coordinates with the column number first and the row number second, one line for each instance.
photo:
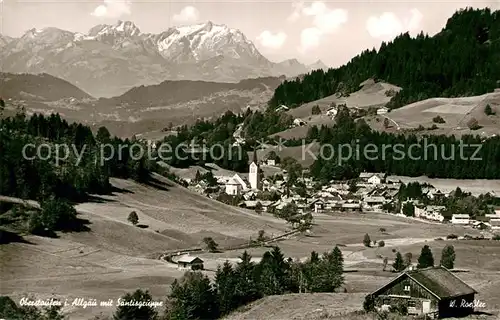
column 373, row 202
column 372, row 178
column 236, row 185
column 382, row 110
column 460, row 219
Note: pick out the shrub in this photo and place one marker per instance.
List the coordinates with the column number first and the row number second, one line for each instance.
column 438, row 119
column 496, row 237
column 367, row 241
column 315, row 110
column 452, row 236
column 381, row 243
column 400, row 308
column 488, row 111
column 133, row 218
column 386, row 123
column 210, row 244
column 473, row 124
column 262, row 236
column 369, row 303
column 390, row 93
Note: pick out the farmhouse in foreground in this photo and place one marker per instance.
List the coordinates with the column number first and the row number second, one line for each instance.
column 434, row 291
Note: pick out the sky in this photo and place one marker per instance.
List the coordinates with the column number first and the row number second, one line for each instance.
column 333, row 31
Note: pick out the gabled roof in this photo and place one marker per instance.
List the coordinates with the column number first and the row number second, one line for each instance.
column 238, row 180
column 441, row 282
column 374, row 199
column 438, row 281
column 189, row 259
column 461, row 216
column 367, row 175
column 495, row 223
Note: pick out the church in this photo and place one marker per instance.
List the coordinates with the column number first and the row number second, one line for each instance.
column 238, row 184
column 253, row 173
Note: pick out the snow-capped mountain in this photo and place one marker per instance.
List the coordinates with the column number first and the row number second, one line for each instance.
column 4, row 40
column 109, row 59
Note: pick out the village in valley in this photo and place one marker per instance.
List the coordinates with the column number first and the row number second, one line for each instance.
column 371, row 192
column 210, row 182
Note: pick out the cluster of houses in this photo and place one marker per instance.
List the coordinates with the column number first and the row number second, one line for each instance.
column 435, row 213
column 372, row 191
column 491, row 221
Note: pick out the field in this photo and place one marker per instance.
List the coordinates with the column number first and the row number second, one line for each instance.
column 370, row 95
column 116, row 257
column 299, row 153
column 480, row 258
column 141, row 110
column 455, row 111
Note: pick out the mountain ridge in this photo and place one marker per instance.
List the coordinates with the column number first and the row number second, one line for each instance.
column 111, row 58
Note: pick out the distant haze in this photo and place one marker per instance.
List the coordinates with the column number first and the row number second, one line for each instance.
column 332, row 31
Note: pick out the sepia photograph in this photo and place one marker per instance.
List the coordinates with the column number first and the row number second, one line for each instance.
column 249, row 160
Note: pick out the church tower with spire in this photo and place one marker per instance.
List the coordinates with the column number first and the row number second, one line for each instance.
column 253, row 173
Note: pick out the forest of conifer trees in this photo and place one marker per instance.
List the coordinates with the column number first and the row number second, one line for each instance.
column 462, row 60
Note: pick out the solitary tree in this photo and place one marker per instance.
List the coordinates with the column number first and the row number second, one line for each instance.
column 316, row 110
column 488, row 111
column 398, row 264
column 473, row 124
column 386, row 123
column 438, row 119
column 258, row 207
column 369, row 303
column 262, row 236
column 381, row 243
column 367, row 241
column 133, row 218
column 210, row 244
column 425, row 259
column 448, row 257
column 408, row 257
column 409, row 209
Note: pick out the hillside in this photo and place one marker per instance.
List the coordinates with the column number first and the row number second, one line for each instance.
column 300, row 307
column 141, row 110
column 461, row 60
column 38, row 87
column 170, row 93
column 370, row 94
column 151, row 108
column 456, row 113
column 116, row 257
